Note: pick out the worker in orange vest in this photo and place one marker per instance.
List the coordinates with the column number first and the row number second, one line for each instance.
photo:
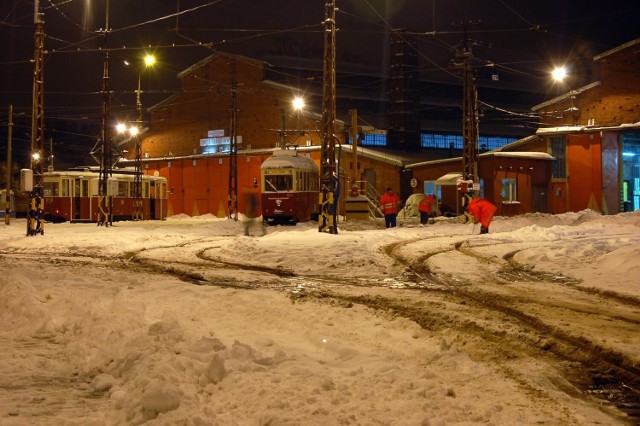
column 482, row 211
column 389, row 204
column 426, row 208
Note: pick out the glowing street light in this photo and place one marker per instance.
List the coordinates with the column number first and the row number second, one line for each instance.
column 298, row 103
column 559, row 74
column 122, row 128
column 149, row 60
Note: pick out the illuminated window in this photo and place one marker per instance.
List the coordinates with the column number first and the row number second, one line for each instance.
column 509, row 190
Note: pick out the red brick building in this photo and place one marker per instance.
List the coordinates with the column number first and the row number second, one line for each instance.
column 586, row 153
column 197, row 120
column 591, row 137
column 594, row 134
column 188, row 138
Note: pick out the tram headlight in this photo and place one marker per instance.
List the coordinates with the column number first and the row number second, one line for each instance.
column 278, row 203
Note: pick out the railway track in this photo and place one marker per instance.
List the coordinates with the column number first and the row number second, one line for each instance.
column 552, row 314
column 514, row 314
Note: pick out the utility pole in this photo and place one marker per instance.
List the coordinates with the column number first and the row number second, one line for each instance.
column 50, row 166
column 329, row 175
column 104, row 201
column 137, row 179
column 35, row 224
column 7, row 212
column 471, row 183
column 233, row 148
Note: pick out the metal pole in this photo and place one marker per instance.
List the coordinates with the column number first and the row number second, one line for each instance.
column 35, row 225
column 7, row 217
column 328, row 171
column 104, row 204
column 137, row 179
column 233, row 148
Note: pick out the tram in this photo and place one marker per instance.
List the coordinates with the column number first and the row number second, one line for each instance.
column 73, row 196
column 290, row 186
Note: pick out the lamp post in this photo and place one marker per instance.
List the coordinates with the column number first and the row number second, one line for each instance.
column 149, row 60
column 560, row 75
column 297, row 105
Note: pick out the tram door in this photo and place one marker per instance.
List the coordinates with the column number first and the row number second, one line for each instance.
column 76, row 199
column 152, row 200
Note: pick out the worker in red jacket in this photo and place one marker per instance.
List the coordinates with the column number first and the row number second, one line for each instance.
column 389, row 204
column 426, row 208
column 482, row 211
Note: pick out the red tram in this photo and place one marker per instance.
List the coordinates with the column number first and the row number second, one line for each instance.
column 290, row 188
column 73, row 196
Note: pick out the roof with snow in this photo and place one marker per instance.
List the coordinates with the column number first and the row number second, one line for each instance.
column 289, row 158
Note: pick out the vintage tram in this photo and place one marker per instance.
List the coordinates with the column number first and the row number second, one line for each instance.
column 290, row 188
column 74, row 195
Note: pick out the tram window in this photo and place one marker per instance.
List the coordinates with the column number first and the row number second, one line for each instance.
column 145, row 189
column 123, row 189
column 84, row 189
column 66, row 188
column 279, row 182
column 51, row 189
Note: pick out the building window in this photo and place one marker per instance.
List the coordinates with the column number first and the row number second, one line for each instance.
column 559, row 153
column 509, row 191
column 373, row 139
column 444, row 141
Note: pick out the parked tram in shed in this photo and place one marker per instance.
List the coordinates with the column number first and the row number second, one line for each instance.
column 290, row 188
column 73, row 196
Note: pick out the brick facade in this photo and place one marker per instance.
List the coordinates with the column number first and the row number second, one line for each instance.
column 611, row 101
column 179, row 122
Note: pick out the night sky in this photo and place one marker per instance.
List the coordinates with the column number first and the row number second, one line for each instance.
column 521, row 41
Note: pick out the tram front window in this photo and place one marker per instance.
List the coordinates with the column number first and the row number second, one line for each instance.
column 279, row 183
column 50, row 189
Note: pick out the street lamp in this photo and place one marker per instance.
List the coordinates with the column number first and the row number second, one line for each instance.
column 560, row 75
column 122, row 128
column 149, row 60
column 298, row 103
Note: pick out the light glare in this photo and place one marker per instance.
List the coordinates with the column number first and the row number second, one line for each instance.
column 559, row 73
column 149, row 60
column 298, row 103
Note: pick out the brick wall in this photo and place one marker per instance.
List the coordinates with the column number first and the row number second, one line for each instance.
column 615, row 101
column 178, row 124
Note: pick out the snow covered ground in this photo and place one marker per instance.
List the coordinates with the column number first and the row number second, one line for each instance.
column 187, row 321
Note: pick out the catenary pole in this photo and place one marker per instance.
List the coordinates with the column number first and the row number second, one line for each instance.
column 7, row 213
column 35, row 224
column 328, row 209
